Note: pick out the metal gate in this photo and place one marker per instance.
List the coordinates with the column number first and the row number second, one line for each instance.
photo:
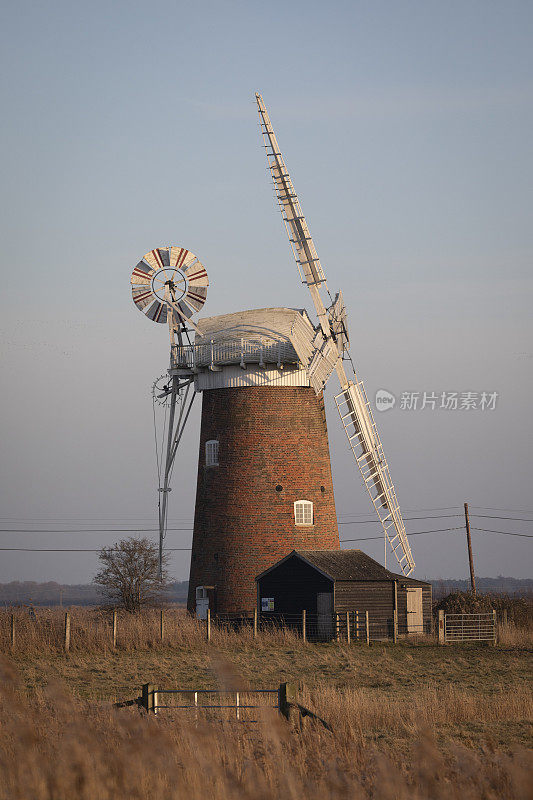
column 470, row 627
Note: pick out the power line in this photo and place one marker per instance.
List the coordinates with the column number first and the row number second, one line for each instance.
column 441, row 530
column 408, row 511
column 489, row 516
column 417, row 533
column 88, row 530
column 151, row 530
column 510, row 510
column 75, row 550
column 138, row 529
column 154, row 530
column 67, row 520
column 406, row 519
column 188, row 549
column 101, row 522
column 504, row 533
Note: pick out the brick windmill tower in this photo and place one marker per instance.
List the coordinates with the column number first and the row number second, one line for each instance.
column 264, row 482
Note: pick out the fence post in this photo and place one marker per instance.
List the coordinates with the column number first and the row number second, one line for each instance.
column 367, row 628
column 67, row 632
column 162, row 625
column 348, row 627
column 147, row 697
column 395, row 626
column 114, row 629
column 208, row 625
column 12, row 630
column 494, row 624
column 441, row 627
column 357, row 625
column 255, row 623
column 337, row 628
column 286, row 696
column 304, row 632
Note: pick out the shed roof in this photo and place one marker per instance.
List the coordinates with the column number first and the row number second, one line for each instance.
column 345, row 565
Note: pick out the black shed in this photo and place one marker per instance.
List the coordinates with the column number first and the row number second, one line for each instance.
column 326, row 583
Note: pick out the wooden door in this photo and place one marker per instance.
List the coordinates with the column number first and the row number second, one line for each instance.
column 324, row 607
column 415, row 618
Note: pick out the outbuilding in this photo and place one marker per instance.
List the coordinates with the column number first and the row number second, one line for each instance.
column 338, row 587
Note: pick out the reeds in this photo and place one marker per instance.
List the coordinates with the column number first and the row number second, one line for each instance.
column 54, row 747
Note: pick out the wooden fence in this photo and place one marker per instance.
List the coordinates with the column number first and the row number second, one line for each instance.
column 351, row 627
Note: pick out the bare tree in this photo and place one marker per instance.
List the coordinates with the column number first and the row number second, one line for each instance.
column 129, row 574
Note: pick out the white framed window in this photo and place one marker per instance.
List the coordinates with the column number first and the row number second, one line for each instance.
column 303, row 512
column 211, row 453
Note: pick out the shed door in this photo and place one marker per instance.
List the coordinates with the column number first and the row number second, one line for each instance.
column 415, row 619
column 324, row 607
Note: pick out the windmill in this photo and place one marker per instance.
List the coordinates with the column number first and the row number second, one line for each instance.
column 264, row 484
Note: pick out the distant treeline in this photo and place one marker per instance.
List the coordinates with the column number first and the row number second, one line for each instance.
column 519, row 587
column 55, row 594
column 86, row 594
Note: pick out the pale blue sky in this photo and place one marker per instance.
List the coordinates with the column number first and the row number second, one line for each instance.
column 407, row 130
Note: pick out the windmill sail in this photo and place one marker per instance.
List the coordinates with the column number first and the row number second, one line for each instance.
column 332, row 341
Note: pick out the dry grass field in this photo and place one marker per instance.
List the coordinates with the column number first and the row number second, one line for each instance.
column 408, row 721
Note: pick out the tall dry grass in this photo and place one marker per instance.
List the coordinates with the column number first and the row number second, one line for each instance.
column 364, row 712
column 511, row 635
column 91, row 631
column 57, row 748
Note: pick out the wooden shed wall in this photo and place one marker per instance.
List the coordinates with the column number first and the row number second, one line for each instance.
column 376, row 597
column 294, row 585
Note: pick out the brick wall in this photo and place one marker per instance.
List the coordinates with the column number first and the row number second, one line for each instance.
column 269, row 437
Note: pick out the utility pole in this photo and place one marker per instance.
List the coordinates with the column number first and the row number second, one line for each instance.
column 470, row 557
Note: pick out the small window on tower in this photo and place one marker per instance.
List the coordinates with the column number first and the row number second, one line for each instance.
column 211, row 453
column 303, row 512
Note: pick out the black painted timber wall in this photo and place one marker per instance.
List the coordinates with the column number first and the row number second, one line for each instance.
column 294, row 585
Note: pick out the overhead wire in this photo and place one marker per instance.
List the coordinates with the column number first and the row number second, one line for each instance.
column 510, row 510
column 66, row 520
column 71, row 550
column 491, row 516
column 416, row 533
column 90, row 530
column 188, row 549
column 406, row 519
column 504, row 533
